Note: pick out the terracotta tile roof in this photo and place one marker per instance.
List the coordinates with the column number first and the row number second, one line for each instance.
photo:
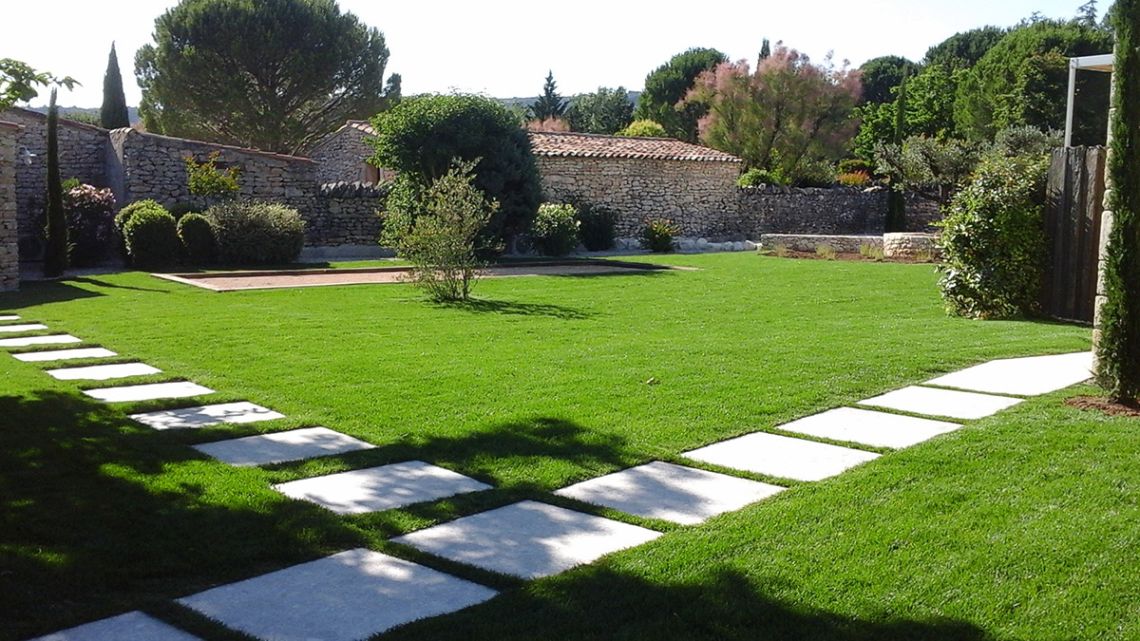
column 549, row 143
column 361, row 125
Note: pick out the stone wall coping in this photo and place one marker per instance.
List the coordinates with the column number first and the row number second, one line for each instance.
column 215, row 145
column 11, row 125
column 63, row 120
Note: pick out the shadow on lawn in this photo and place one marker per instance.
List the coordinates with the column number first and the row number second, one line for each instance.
column 511, row 308
column 724, row 605
column 36, row 293
column 99, row 516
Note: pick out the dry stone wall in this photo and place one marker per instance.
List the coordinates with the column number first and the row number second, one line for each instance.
column 9, row 236
column 345, row 214
column 340, row 157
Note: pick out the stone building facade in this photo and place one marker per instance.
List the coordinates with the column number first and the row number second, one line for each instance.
column 342, row 156
column 9, row 228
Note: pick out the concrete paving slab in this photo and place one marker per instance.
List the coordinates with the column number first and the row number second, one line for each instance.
column 345, row 597
column 29, row 341
column 940, row 402
column 148, row 392
column 381, row 488
column 528, row 539
column 207, row 416
column 670, row 492
column 132, row 626
column 22, row 327
column 1029, row 376
column 9, row 317
column 781, row 456
column 294, row 445
column 868, row 427
column 103, row 372
column 64, row 355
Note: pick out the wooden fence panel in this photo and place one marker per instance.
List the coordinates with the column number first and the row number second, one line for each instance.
column 1074, row 204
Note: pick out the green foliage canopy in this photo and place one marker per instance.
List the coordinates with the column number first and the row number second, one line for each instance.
column 881, row 75
column 669, row 84
column 606, row 111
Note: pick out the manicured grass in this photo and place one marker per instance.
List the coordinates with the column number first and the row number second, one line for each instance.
column 1023, row 526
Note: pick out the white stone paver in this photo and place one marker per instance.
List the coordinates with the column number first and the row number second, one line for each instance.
column 381, row 488
column 9, row 317
column 132, row 626
column 103, row 372
column 868, row 427
column 64, row 354
column 670, row 492
column 207, row 416
column 941, row 402
column 345, row 597
column 781, row 456
column 148, row 392
column 294, row 445
column 23, row 327
column 28, row 341
column 1028, row 376
column 528, row 539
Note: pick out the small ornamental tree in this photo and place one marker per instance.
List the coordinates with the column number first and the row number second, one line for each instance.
column 668, row 84
column 113, row 113
column 1118, row 349
column 206, row 179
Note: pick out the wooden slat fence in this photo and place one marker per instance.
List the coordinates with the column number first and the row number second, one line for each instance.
column 1074, row 204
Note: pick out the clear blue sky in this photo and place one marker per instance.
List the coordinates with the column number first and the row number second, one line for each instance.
column 504, row 48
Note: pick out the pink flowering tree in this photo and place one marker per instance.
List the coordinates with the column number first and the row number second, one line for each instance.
column 785, row 117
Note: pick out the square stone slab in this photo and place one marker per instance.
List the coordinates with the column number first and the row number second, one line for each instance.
column 102, row 372
column 878, row 429
column 1029, row 376
column 149, row 392
column 345, row 597
column 64, row 354
column 670, row 492
column 206, row 416
column 293, row 445
column 132, row 626
column 28, row 341
column 9, row 317
column 381, row 488
column 24, row 327
column 782, row 456
column 941, row 402
column 528, row 539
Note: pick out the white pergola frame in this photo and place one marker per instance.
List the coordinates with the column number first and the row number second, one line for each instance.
column 1103, row 64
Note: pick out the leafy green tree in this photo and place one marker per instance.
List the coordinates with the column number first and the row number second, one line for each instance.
column 113, row 113
column 18, row 82
column 881, row 75
column 667, row 85
column 272, row 74
column 1118, row 348
column 55, row 233
column 964, row 50
column 1086, row 14
column 549, row 104
column 421, row 137
column 606, row 111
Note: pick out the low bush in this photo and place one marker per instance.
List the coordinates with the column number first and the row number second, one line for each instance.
column 643, row 129
column 555, row 229
column 255, row 233
column 659, row 235
column 128, row 212
column 755, row 177
column 992, row 242
column 597, row 226
column 814, row 173
column 151, row 238
column 197, row 237
column 852, row 165
column 826, row 252
column 871, row 252
column 90, row 215
column 854, row 179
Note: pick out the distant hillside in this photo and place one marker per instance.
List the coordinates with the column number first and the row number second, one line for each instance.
column 526, row 102
column 90, row 112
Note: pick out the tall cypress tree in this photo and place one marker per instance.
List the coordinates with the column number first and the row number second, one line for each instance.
column 1118, row 349
column 549, row 104
column 113, row 113
column 896, row 202
column 55, row 252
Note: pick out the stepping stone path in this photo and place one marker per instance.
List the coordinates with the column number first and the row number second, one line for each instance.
column 132, row 626
column 281, row 447
column 877, row 429
column 28, row 341
column 102, row 372
column 1030, row 376
column 64, row 355
column 345, row 597
column 528, row 539
column 25, row 327
column 940, row 402
column 782, row 456
column 381, row 488
column 8, row 317
column 670, row 492
column 207, row 416
column 148, row 392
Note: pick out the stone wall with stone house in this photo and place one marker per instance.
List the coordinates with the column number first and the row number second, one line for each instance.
column 342, row 156
column 9, row 229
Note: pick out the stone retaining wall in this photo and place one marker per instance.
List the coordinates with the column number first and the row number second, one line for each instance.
column 9, row 228
column 793, row 210
column 809, row 243
column 345, row 214
column 909, row 246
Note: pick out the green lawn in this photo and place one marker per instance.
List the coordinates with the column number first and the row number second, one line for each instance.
column 1022, row 526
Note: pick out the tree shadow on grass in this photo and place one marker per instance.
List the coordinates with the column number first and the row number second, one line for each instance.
column 596, row 602
column 32, row 294
column 99, row 516
column 512, row 308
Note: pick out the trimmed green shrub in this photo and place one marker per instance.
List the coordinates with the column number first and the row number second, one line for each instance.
column 197, row 236
column 992, row 241
column 597, row 226
column 658, row 235
column 755, row 177
column 128, row 212
column 152, row 238
column 254, row 233
column 89, row 222
column 643, row 129
column 555, row 229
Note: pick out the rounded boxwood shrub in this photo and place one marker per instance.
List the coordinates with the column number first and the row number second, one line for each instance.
column 555, row 229
column 197, row 237
column 151, row 238
column 126, row 213
column 254, row 233
column 597, row 226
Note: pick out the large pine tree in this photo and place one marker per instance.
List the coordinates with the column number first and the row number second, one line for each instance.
column 113, row 113
column 549, row 104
